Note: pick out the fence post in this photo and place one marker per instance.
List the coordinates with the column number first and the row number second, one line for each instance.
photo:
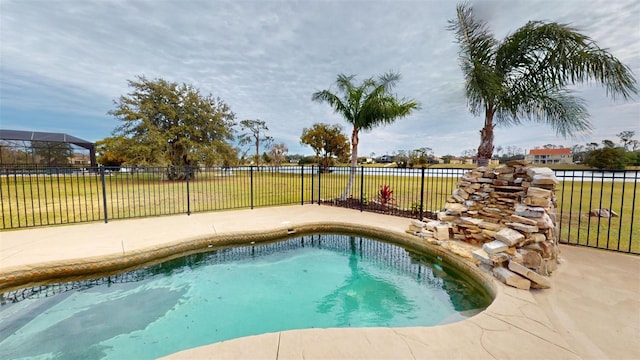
column 188, row 192
column 361, row 188
column 422, row 195
column 633, row 210
column 319, row 183
column 312, row 184
column 302, row 187
column 251, row 184
column 104, row 194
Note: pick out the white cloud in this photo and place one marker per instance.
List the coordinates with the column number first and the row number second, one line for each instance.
column 266, row 58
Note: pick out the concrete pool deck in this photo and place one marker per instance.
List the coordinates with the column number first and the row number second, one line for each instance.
column 592, row 310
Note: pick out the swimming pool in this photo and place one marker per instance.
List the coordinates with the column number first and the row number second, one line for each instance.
column 304, row 282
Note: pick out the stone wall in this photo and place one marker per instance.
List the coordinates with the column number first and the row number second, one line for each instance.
column 505, row 217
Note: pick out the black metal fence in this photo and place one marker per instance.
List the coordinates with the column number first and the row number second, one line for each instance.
column 50, row 196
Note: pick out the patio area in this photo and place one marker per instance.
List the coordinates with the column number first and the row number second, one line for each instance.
column 592, row 310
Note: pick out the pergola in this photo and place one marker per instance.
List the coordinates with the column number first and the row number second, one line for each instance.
column 21, row 135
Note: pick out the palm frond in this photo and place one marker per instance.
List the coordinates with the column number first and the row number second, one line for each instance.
column 389, row 80
column 344, row 83
column 556, row 55
column 334, row 101
column 384, row 110
column 477, row 58
column 368, row 104
column 557, row 108
column 475, row 39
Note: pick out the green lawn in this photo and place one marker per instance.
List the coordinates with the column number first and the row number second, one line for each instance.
column 34, row 200
column 576, row 198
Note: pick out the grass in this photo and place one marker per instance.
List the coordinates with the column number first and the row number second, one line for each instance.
column 577, row 198
column 34, row 200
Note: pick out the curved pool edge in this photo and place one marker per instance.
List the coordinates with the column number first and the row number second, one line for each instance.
column 514, row 326
column 19, row 277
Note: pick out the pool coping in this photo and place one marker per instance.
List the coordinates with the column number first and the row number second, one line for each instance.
column 19, row 277
column 515, row 325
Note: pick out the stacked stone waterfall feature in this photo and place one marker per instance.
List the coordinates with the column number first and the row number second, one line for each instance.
column 504, row 220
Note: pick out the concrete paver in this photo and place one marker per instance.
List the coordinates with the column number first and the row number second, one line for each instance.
column 595, row 302
column 591, row 311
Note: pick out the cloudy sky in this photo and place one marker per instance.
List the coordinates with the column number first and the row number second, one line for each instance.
column 62, row 63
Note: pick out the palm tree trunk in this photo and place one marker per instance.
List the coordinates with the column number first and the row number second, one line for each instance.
column 354, row 163
column 485, row 150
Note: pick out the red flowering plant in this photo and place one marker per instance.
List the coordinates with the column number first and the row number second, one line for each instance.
column 385, row 195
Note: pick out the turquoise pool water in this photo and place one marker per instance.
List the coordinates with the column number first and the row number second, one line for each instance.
column 312, row 281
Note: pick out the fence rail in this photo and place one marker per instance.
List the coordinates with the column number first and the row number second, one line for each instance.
column 31, row 196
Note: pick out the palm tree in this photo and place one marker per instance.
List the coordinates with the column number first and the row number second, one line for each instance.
column 365, row 106
column 525, row 77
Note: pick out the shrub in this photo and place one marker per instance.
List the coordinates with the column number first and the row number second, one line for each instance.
column 385, row 195
column 608, row 158
column 307, row 160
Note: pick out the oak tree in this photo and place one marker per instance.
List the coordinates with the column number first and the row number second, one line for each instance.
column 171, row 124
column 327, row 142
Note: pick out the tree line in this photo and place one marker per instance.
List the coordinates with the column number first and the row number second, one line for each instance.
column 609, row 154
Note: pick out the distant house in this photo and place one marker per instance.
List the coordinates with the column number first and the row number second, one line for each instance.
column 550, row 156
column 434, row 160
column 80, row 159
column 385, row 159
column 474, row 161
column 469, row 160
